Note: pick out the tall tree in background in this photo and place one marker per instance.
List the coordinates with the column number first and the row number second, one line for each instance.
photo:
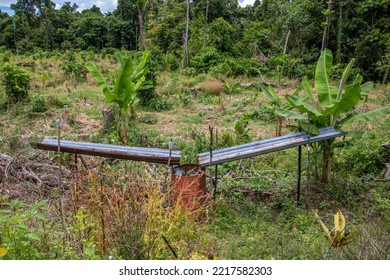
column 325, row 36
column 187, row 59
column 140, row 8
column 205, row 22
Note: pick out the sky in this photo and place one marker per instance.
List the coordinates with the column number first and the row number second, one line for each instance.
column 105, row 6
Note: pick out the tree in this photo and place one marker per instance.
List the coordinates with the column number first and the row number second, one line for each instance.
column 69, row 8
column 186, row 58
column 140, row 8
column 205, row 22
column 221, row 35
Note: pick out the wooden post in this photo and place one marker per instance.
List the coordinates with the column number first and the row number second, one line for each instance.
column 211, row 155
column 286, row 42
column 308, row 183
column 216, row 167
column 299, row 175
column 58, row 125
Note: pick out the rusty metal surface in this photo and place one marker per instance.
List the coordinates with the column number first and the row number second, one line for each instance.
column 265, row 146
column 153, row 155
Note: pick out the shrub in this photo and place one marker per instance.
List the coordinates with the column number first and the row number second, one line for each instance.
column 172, row 63
column 237, row 66
column 73, row 67
column 186, row 97
column 191, row 71
column 24, row 231
column 159, row 104
column 16, row 82
column 365, row 159
column 207, row 59
column 38, row 104
column 146, row 95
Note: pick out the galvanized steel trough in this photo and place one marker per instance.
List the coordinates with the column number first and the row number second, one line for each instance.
column 265, row 146
column 152, row 155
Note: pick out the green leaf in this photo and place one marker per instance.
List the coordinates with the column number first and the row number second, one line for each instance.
column 313, row 128
column 141, row 70
column 298, row 90
column 366, row 88
column 327, row 94
column 268, row 106
column 40, row 216
column 369, row 116
column 344, row 77
column 288, row 114
column 271, row 94
column 307, row 88
column 360, row 135
column 119, row 58
column 33, row 236
column 349, row 99
column 302, row 105
column 123, row 85
column 101, row 81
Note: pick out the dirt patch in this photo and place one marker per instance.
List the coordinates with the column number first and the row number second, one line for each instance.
column 88, row 125
column 167, row 123
column 214, row 87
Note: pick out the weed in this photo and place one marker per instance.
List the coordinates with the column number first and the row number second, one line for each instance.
column 73, row 67
column 24, row 231
column 38, row 103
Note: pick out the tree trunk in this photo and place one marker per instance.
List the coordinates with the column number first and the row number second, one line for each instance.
column 339, row 33
column 279, row 124
column 326, row 160
column 205, row 23
column 325, row 36
column 187, row 61
column 315, row 152
column 286, row 42
column 141, row 26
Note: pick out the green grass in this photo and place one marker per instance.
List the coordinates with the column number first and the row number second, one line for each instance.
column 243, row 225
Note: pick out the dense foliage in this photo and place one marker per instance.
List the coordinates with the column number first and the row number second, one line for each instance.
column 278, row 37
column 16, row 82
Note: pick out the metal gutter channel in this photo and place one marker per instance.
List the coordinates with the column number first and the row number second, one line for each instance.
column 112, row 151
column 268, row 141
column 50, row 142
column 265, row 146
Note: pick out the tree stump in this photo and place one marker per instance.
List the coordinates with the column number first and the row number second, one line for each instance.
column 107, row 117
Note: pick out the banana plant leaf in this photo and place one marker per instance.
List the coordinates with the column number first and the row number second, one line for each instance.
column 271, row 94
column 327, row 94
column 302, row 105
column 344, row 78
column 101, row 81
column 369, row 116
column 289, row 114
column 349, row 99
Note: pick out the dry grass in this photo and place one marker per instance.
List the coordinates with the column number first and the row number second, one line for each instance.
column 214, row 87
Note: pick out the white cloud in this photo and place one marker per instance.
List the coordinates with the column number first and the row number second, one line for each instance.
column 244, row 3
column 104, row 6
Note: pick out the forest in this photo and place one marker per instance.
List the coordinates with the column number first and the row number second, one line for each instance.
column 197, row 76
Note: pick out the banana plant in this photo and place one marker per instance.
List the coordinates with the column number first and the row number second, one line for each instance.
column 330, row 105
column 275, row 106
column 339, row 235
column 126, row 83
column 123, row 90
